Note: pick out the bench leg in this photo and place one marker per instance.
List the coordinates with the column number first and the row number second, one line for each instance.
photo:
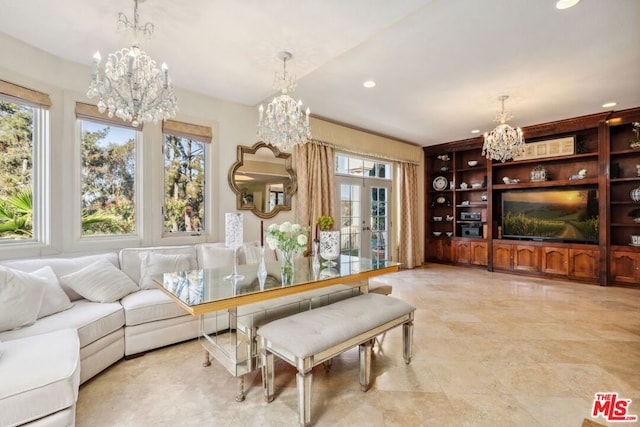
column 240, row 389
column 327, row 365
column 303, row 381
column 407, row 341
column 267, row 375
column 365, row 365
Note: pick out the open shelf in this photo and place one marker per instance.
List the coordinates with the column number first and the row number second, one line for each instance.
column 580, row 156
column 554, row 183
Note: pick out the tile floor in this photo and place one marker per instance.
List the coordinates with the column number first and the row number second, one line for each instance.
column 490, row 349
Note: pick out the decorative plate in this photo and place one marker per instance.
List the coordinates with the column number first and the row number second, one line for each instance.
column 441, row 200
column 440, row 183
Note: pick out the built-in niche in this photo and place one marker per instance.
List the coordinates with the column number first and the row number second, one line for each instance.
column 263, row 179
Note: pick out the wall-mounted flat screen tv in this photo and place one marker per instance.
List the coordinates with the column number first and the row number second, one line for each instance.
column 568, row 214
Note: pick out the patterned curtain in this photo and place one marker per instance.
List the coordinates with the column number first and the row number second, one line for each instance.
column 409, row 253
column 315, row 166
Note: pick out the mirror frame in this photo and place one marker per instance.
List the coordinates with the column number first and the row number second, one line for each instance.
column 242, row 150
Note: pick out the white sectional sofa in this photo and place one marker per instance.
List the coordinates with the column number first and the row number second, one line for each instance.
column 121, row 314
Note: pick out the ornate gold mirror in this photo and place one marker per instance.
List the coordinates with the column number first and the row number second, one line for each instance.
column 263, row 180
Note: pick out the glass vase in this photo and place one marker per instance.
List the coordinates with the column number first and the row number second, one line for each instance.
column 287, row 266
column 330, row 247
column 233, row 238
column 315, row 263
column 262, row 269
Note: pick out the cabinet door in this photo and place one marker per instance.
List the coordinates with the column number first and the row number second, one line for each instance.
column 625, row 267
column 444, row 250
column 502, row 256
column 479, row 253
column 463, row 251
column 584, row 264
column 526, row 258
column 555, row 261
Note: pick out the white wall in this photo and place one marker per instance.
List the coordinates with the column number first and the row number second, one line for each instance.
column 232, row 124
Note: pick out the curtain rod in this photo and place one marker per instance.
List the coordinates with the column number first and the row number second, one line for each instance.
column 362, row 153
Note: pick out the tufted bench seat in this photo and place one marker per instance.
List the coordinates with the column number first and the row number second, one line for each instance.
column 307, row 339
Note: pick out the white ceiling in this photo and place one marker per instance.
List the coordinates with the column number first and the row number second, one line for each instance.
column 440, row 65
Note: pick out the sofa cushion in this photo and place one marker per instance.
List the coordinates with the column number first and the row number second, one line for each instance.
column 100, row 282
column 55, row 299
column 214, row 255
column 92, row 320
column 152, row 264
column 149, row 306
column 40, row 376
column 252, row 254
column 20, row 298
column 61, row 266
column 130, row 261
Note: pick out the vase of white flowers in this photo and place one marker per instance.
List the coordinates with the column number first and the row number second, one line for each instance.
column 289, row 240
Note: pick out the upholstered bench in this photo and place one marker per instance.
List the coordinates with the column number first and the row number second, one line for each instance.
column 307, row 339
column 39, row 379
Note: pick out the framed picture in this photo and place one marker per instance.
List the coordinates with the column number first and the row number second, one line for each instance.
column 551, row 148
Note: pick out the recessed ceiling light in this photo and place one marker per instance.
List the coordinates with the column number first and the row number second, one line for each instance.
column 369, row 84
column 566, row 4
column 609, row 104
column 475, row 131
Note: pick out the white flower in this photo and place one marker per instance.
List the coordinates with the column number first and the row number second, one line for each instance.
column 272, row 242
column 302, row 239
column 285, row 227
column 296, row 228
column 272, row 227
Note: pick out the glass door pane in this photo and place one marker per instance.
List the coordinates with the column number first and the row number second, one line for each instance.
column 350, row 210
column 379, row 222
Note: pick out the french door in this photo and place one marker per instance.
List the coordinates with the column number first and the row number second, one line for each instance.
column 364, row 209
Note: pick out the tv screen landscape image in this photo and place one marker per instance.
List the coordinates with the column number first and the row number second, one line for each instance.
column 567, row 215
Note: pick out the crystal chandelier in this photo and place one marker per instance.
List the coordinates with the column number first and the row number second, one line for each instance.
column 504, row 142
column 283, row 124
column 131, row 86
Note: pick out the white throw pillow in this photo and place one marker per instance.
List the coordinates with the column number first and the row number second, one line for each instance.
column 100, row 282
column 20, row 298
column 216, row 256
column 55, row 299
column 252, row 254
column 152, row 264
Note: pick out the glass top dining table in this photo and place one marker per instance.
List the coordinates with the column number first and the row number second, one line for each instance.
column 207, row 290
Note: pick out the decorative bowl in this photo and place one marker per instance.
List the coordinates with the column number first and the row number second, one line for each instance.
column 449, row 233
column 636, row 220
column 476, row 185
column 437, row 233
column 464, row 185
column 472, row 163
column 437, row 218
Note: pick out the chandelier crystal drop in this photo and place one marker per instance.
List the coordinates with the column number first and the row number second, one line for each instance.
column 284, row 124
column 504, row 142
column 131, row 86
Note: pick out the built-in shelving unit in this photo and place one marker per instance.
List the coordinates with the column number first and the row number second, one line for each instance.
column 601, row 147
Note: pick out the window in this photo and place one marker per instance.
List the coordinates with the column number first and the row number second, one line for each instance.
column 108, row 174
column 184, row 176
column 24, row 137
column 357, row 166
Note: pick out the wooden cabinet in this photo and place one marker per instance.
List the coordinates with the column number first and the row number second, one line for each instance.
column 555, row 261
column 601, row 147
column 502, row 255
column 439, row 250
column 526, row 258
column 471, row 251
column 479, row 252
column 625, row 267
column 584, row 264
